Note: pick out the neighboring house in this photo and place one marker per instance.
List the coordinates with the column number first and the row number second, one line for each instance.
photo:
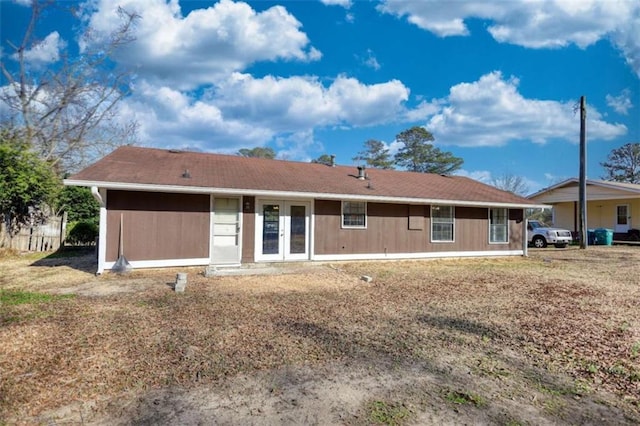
column 611, row 205
column 183, row 208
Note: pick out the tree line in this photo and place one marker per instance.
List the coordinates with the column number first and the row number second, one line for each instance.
column 417, row 154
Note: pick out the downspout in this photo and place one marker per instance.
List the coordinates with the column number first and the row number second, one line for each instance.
column 97, row 196
column 102, row 230
column 525, row 238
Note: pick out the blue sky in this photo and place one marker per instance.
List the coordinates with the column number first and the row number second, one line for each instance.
column 495, row 82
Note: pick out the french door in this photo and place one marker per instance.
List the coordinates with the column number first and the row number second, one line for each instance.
column 282, row 230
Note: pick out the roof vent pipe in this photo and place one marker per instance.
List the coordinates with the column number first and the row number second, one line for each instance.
column 333, row 160
column 361, row 173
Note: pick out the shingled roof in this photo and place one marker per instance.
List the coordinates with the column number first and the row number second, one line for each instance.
column 150, row 169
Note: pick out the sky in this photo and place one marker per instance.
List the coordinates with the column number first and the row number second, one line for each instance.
column 496, row 83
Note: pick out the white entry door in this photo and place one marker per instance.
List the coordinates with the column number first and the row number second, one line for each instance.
column 282, row 231
column 623, row 218
column 225, row 241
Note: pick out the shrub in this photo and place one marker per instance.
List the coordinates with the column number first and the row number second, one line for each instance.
column 84, row 232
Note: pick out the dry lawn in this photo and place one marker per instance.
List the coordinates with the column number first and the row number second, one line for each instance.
column 549, row 339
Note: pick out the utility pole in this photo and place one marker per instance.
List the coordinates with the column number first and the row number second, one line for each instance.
column 582, row 190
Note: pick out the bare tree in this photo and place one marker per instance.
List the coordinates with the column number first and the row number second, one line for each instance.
column 511, row 183
column 67, row 110
column 623, row 164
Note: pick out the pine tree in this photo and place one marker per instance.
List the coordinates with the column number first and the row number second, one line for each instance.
column 375, row 155
column 418, row 155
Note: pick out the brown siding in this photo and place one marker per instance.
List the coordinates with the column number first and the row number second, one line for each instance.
column 248, row 229
column 416, row 217
column 388, row 231
column 158, row 226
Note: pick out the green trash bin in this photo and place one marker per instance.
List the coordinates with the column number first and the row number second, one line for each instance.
column 604, row 237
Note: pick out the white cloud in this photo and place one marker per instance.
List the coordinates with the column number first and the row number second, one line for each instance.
column 205, row 45
column 46, row 51
column 295, row 146
column 393, row 147
column 491, row 112
column 344, row 3
column 246, row 111
column 627, row 38
column 296, row 103
column 533, row 24
column 423, row 111
column 483, row 176
column 170, row 118
column 371, row 61
column 621, row 103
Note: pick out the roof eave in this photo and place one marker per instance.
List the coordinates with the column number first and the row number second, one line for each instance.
column 552, row 187
column 292, row 194
column 603, row 184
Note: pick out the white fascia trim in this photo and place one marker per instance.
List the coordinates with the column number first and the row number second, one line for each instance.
column 620, row 186
column 166, row 263
column 431, row 255
column 552, row 187
column 601, row 183
column 293, row 195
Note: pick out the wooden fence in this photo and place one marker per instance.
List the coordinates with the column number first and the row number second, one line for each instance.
column 45, row 237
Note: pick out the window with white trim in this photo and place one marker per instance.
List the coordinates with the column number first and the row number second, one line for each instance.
column 498, row 225
column 442, row 223
column 354, row 214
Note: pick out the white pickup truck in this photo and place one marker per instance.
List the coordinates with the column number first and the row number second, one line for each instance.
column 540, row 235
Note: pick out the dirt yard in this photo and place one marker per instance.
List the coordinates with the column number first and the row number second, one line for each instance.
column 549, row 339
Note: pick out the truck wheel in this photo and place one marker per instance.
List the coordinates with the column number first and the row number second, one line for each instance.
column 561, row 245
column 539, row 242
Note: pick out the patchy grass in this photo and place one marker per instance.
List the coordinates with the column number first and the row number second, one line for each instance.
column 15, row 297
column 461, row 397
column 388, row 413
column 556, row 333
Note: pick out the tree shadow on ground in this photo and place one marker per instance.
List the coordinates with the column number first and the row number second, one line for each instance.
column 460, row 324
column 81, row 258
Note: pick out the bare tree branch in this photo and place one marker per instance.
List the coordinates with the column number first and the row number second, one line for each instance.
column 68, row 111
column 623, row 164
column 511, row 183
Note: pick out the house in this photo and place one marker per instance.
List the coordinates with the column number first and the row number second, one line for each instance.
column 611, row 205
column 176, row 208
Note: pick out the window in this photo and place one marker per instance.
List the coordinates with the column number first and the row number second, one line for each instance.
column 442, row 223
column 354, row 214
column 498, row 226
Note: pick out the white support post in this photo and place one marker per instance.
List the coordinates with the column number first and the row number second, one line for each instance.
column 525, row 240
column 101, row 196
